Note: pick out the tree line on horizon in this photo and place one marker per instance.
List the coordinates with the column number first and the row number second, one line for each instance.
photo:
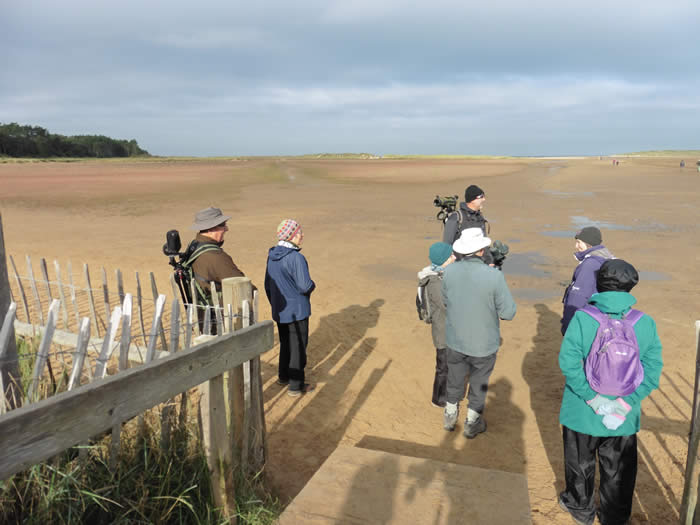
column 18, row 140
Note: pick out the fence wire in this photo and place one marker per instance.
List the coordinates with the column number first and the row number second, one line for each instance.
column 34, row 290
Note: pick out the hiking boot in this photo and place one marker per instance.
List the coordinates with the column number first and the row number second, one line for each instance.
column 450, row 420
column 566, row 509
column 476, row 427
column 303, row 390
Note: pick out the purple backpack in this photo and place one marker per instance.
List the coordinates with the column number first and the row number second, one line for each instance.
column 613, row 367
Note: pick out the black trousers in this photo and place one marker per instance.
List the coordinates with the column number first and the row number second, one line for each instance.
column 294, row 337
column 440, row 381
column 617, row 457
column 477, row 370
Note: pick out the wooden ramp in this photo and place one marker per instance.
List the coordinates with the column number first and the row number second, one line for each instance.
column 357, row 485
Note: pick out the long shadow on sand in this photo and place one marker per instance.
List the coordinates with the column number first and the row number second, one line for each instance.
column 541, row 371
column 311, row 426
column 500, row 448
column 335, row 335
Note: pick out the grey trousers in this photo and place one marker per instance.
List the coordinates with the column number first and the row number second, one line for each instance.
column 476, row 370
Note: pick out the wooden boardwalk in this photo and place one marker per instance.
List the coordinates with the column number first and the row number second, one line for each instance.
column 357, row 485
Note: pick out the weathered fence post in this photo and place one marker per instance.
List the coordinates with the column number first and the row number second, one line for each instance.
column 6, row 331
column 105, row 293
column 21, row 291
column 216, row 301
column 126, row 333
column 9, row 367
column 216, row 442
column 233, row 293
column 61, row 293
column 156, row 295
column 73, row 297
column 35, row 290
column 167, row 414
column 91, row 299
column 106, row 351
column 140, row 305
column 255, row 417
column 42, row 358
column 247, row 426
column 123, row 365
column 45, row 275
column 692, row 468
column 80, row 352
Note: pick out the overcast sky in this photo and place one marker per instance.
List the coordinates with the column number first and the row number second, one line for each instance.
column 381, row 76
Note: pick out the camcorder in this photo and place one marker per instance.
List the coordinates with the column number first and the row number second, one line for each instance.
column 446, row 204
column 498, row 251
column 171, row 248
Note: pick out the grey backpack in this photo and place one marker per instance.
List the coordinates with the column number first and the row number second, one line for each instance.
column 423, row 305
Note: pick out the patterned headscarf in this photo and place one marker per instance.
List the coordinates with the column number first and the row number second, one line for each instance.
column 288, row 229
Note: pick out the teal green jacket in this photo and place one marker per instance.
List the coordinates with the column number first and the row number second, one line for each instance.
column 575, row 413
column 477, row 297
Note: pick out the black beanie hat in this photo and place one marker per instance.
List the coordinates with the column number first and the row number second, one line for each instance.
column 616, row 275
column 590, row 235
column 472, row 192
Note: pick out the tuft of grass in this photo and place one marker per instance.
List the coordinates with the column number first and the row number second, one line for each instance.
column 147, row 485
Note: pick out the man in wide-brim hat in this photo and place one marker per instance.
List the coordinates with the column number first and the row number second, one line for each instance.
column 477, row 297
column 212, row 264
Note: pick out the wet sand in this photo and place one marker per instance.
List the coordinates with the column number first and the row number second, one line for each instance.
column 368, row 225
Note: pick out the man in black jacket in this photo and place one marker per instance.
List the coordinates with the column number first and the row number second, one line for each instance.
column 467, row 216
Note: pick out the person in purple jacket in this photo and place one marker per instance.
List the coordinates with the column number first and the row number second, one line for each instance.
column 288, row 287
column 590, row 254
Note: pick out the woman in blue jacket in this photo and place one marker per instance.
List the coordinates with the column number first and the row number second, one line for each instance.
column 598, row 425
column 288, row 286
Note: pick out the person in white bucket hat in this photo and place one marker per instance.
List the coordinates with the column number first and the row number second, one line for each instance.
column 471, row 241
column 477, row 298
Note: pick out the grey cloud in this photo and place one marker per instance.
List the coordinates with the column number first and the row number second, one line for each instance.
column 272, row 77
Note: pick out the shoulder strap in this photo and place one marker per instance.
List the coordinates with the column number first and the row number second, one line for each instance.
column 201, row 249
column 594, row 312
column 634, row 315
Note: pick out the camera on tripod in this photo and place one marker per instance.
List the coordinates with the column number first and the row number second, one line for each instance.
column 446, row 204
column 171, row 248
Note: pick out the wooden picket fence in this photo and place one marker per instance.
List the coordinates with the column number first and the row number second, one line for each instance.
column 82, row 385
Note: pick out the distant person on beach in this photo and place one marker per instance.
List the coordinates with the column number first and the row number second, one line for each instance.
column 430, row 279
column 468, row 215
column 211, row 262
column 288, row 287
column 477, row 298
column 682, row 164
column 590, row 254
column 600, row 413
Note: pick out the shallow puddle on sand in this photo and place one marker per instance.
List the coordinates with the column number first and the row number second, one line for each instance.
column 525, row 264
column 645, row 275
column 534, row 294
column 581, row 221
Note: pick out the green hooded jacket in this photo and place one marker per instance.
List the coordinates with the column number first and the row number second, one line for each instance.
column 575, row 413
